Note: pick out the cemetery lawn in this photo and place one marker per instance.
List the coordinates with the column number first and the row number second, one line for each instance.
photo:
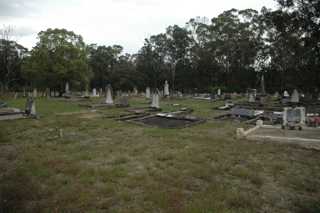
column 103, row 165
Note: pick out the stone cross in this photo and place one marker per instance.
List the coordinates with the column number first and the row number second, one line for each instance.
column 166, row 89
column 109, row 99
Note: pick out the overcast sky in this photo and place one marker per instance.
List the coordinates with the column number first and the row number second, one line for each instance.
column 108, row 22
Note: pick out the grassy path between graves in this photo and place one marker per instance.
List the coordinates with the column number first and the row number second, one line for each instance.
column 103, row 165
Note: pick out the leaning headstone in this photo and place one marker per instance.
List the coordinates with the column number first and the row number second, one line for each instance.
column 67, row 88
column 166, row 89
column 286, row 94
column 295, row 97
column 148, row 93
column 155, row 100
column 34, row 93
column 109, row 99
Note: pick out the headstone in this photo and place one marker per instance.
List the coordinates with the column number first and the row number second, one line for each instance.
column 52, row 93
column 135, row 91
column 34, row 93
column 219, row 92
column 30, row 107
column 286, row 94
column 15, row 95
column 148, row 93
column 293, row 116
column 276, row 95
column 123, row 101
column 94, row 92
column 67, row 88
column 263, row 88
column 295, row 97
column 101, row 92
column 24, row 92
column 166, row 89
column 109, row 99
column 155, row 100
column 251, row 98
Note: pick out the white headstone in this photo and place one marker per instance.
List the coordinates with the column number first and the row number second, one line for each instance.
column 286, row 94
column 155, row 100
column 94, row 92
column 109, row 99
column 295, row 97
column 166, row 89
column 219, row 92
column 251, row 98
column 33, row 109
column 67, row 88
column 148, row 94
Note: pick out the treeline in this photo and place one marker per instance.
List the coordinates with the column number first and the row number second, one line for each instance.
column 231, row 51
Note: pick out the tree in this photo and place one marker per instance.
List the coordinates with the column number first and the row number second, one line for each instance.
column 11, row 57
column 60, row 56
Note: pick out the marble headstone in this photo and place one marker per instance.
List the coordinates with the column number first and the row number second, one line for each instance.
column 155, row 100
column 109, row 99
column 148, row 93
column 295, row 97
column 166, row 89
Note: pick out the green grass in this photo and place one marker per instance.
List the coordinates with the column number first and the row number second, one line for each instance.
column 103, row 165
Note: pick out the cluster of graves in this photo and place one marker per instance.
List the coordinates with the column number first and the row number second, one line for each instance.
column 10, row 113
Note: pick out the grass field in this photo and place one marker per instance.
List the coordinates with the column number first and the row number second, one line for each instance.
column 103, row 165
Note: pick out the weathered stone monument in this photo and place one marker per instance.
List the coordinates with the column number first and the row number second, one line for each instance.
column 135, row 91
column 166, row 89
column 67, row 88
column 263, row 87
column 286, row 94
column 295, row 97
column 30, row 107
column 123, row 101
column 109, row 99
column 148, row 93
column 251, row 98
column 294, row 117
column 155, row 100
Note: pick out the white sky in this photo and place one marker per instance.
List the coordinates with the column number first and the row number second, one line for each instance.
column 109, row 22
